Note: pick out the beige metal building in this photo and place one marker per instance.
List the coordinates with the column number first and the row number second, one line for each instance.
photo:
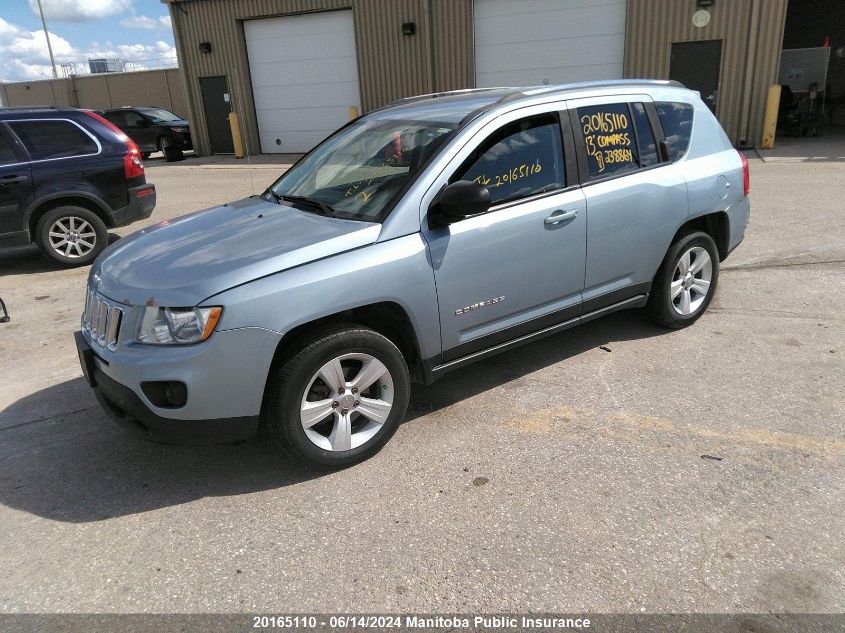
column 292, row 69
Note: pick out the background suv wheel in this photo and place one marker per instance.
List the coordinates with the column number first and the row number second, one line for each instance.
column 685, row 282
column 166, row 146
column 340, row 397
column 71, row 236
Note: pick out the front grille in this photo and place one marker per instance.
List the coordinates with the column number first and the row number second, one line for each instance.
column 101, row 319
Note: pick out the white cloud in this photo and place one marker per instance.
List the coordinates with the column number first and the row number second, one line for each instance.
column 80, row 10
column 143, row 22
column 24, row 55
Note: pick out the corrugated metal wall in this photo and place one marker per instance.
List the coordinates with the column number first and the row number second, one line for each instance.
column 390, row 65
column 752, row 34
column 162, row 87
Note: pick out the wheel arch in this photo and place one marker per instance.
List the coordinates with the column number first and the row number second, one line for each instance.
column 75, row 198
column 387, row 318
column 717, row 225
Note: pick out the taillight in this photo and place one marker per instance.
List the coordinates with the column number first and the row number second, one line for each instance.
column 132, row 165
column 746, row 176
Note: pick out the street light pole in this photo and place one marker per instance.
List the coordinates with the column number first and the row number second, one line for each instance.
column 47, row 35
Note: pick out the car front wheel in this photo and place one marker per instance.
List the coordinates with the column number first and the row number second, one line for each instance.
column 71, row 236
column 339, row 398
column 685, row 282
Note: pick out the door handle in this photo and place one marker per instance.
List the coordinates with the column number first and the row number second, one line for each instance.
column 561, row 216
column 6, row 180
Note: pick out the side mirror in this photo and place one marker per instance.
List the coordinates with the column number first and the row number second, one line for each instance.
column 460, row 200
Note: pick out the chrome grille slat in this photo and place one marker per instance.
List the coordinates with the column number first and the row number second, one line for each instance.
column 102, row 319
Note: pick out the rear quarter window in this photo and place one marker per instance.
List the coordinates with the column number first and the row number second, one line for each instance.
column 676, row 119
column 53, row 139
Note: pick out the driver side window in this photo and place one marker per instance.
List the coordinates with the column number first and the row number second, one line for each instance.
column 521, row 159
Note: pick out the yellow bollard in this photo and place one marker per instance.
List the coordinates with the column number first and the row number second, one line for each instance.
column 770, row 122
column 353, row 112
column 237, row 141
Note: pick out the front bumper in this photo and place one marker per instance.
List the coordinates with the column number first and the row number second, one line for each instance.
column 142, row 201
column 132, row 410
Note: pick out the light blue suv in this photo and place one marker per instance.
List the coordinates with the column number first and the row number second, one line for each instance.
column 416, row 239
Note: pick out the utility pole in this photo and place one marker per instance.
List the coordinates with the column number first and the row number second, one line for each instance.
column 47, row 35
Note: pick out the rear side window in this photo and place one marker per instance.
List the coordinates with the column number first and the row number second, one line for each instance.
column 7, row 154
column 133, row 119
column 610, row 139
column 53, row 139
column 115, row 117
column 521, row 159
column 676, row 119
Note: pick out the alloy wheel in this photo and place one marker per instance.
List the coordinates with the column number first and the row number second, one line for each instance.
column 346, row 402
column 691, row 281
column 72, row 236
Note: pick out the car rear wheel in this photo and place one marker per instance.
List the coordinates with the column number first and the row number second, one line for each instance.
column 685, row 282
column 170, row 151
column 339, row 398
column 71, row 236
column 145, row 155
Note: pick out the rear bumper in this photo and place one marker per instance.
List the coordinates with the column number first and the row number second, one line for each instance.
column 142, row 201
column 125, row 408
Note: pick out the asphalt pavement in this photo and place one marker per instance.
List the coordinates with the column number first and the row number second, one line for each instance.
column 615, row 467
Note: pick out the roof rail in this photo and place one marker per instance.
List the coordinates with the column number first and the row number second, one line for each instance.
column 608, row 83
column 437, row 95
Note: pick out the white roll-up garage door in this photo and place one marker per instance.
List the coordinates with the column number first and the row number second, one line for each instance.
column 532, row 42
column 304, row 73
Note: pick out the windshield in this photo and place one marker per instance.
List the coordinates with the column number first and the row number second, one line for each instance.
column 358, row 171
column 157, row 115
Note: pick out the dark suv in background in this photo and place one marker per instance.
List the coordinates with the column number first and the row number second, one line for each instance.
column 66, row 176
column 153, row 130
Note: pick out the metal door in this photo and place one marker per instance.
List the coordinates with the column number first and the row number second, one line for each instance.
column 696, row 65
column 217, row 104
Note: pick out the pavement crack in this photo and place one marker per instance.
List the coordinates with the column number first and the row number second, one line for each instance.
column 764, row 265
column 44, row 419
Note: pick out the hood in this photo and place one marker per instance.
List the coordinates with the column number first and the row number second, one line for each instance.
column 177, row 123
column 181, row 262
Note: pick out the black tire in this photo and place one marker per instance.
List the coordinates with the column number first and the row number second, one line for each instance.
column 171, row 153
column 661, row 308
column 65, row 214
column 145, row 155
column 292, row 378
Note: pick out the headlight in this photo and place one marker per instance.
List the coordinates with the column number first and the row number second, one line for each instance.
column 169, row 326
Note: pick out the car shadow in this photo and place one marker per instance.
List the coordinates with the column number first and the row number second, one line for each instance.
column 25, row 260
column 62, row 459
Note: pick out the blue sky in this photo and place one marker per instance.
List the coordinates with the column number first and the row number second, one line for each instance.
column 137, row 31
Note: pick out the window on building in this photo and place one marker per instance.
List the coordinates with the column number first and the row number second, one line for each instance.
column 645, row 136
column 609, row 137
column 521, row 159
column 7, row 153
column 676, row 119
column 53, row 139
